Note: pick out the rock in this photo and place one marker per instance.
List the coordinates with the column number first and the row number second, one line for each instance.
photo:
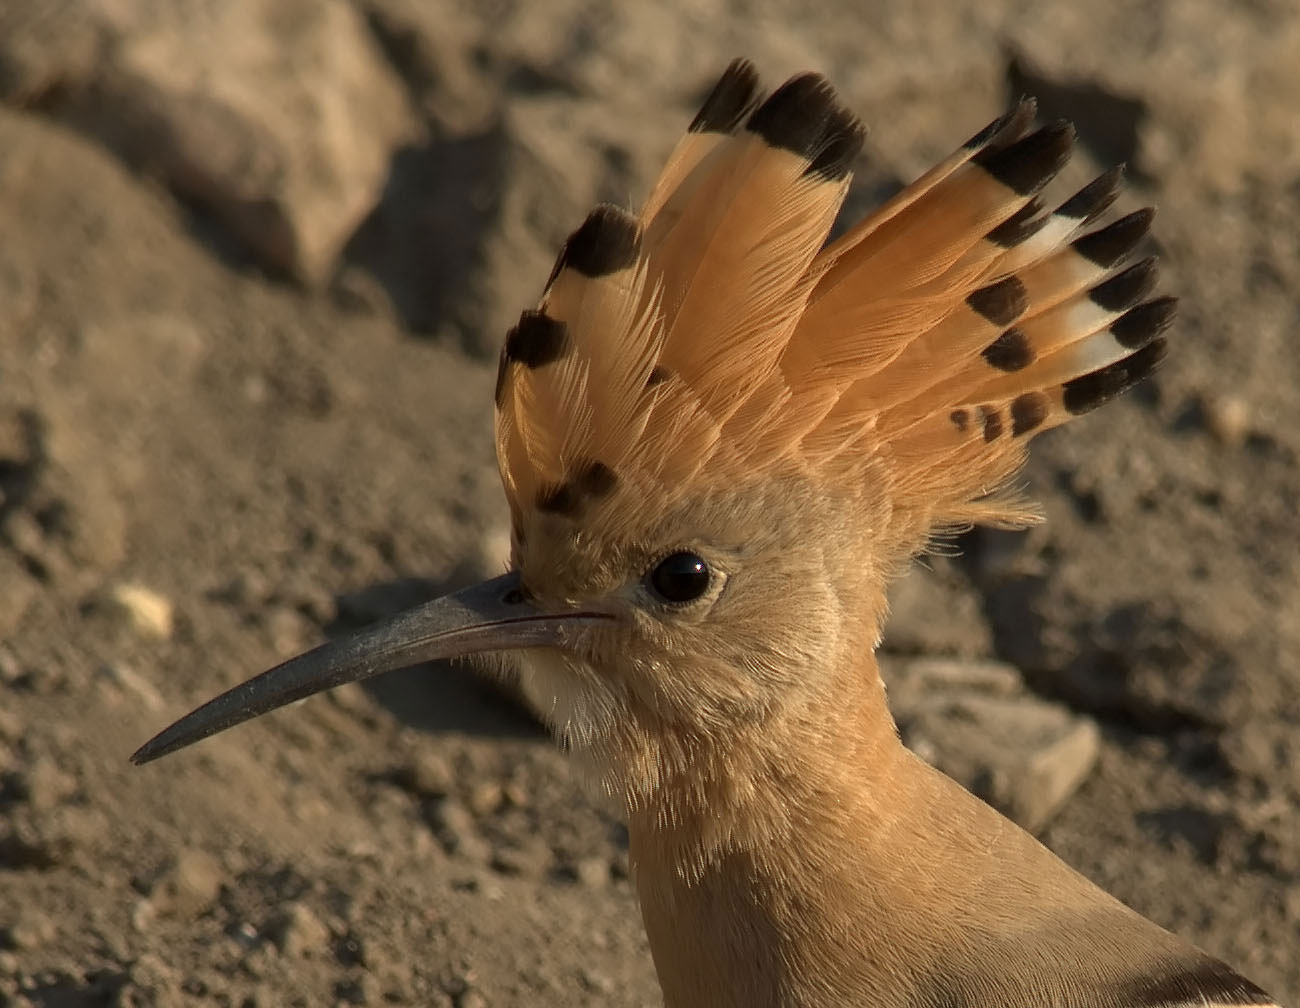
column 1228, row 418
column 288, row 629
column 290, row 155
column 471, row 998
column 484, row 798
column 596, row 981
column 426, row 773
column 296, row 930
column 147, row 612
column 593, row 872
column 978, row 724
column 143, row 915
column 187, row 886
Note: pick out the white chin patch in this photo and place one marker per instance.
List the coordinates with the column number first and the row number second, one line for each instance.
column 567, row 697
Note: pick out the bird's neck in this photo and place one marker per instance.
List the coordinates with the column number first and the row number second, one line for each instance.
column 763, row 867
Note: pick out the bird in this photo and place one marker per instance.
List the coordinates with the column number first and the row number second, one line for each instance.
column 724, row 429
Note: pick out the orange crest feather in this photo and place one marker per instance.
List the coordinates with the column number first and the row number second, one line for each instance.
column 717, row 334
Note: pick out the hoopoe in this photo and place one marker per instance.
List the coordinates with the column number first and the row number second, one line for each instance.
column 720, row 435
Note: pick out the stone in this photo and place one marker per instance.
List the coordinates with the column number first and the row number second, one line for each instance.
column 978, row 723
column 188, row 885
column 289, row 155
column 1228, row 418
column 296, row 930
column 484, row 798
column 146, row 611
column 427, row 773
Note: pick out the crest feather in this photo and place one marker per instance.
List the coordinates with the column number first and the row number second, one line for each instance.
column 717, row 334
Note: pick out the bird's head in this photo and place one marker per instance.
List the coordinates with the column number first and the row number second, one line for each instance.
column 720, row 435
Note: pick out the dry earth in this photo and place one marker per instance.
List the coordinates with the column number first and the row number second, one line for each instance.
column 257, row 259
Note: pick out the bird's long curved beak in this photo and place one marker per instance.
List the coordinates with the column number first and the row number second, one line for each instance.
column 493, row 616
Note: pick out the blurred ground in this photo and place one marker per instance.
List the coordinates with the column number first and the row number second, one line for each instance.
column 257, row 260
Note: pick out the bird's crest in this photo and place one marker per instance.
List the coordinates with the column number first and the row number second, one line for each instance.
column 716, row 335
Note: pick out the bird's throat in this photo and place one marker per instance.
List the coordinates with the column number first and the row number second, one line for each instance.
column 742, row 877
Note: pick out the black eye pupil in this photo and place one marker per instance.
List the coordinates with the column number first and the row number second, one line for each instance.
column 681, row 577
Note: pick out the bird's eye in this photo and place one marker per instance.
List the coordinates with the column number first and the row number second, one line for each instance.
column 680, row 577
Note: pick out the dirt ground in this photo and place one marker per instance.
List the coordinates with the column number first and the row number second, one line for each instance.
column 221, row 440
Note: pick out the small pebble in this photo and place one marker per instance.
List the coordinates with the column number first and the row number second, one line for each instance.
column 484, row 798
column 596, row 981
column 1228, row 419
column 146, row 611
column 296, row 930
column 427, row 773
column 188, row 886
column 593, row 872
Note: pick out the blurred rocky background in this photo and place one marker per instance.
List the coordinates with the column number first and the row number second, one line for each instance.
column 257, row 258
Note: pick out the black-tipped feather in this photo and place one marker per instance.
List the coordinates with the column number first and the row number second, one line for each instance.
column 1126, row 289
column 1006, row 128
column 1086, row 393
column 1095, row 198
column 732, row 99
column 1138, row 326
column 1109, row 245
column 804, row 117
column 1024, row 223
column 1029, row 164
column 844, row 139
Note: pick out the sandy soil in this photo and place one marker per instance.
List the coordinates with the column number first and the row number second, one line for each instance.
column 275, row 449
